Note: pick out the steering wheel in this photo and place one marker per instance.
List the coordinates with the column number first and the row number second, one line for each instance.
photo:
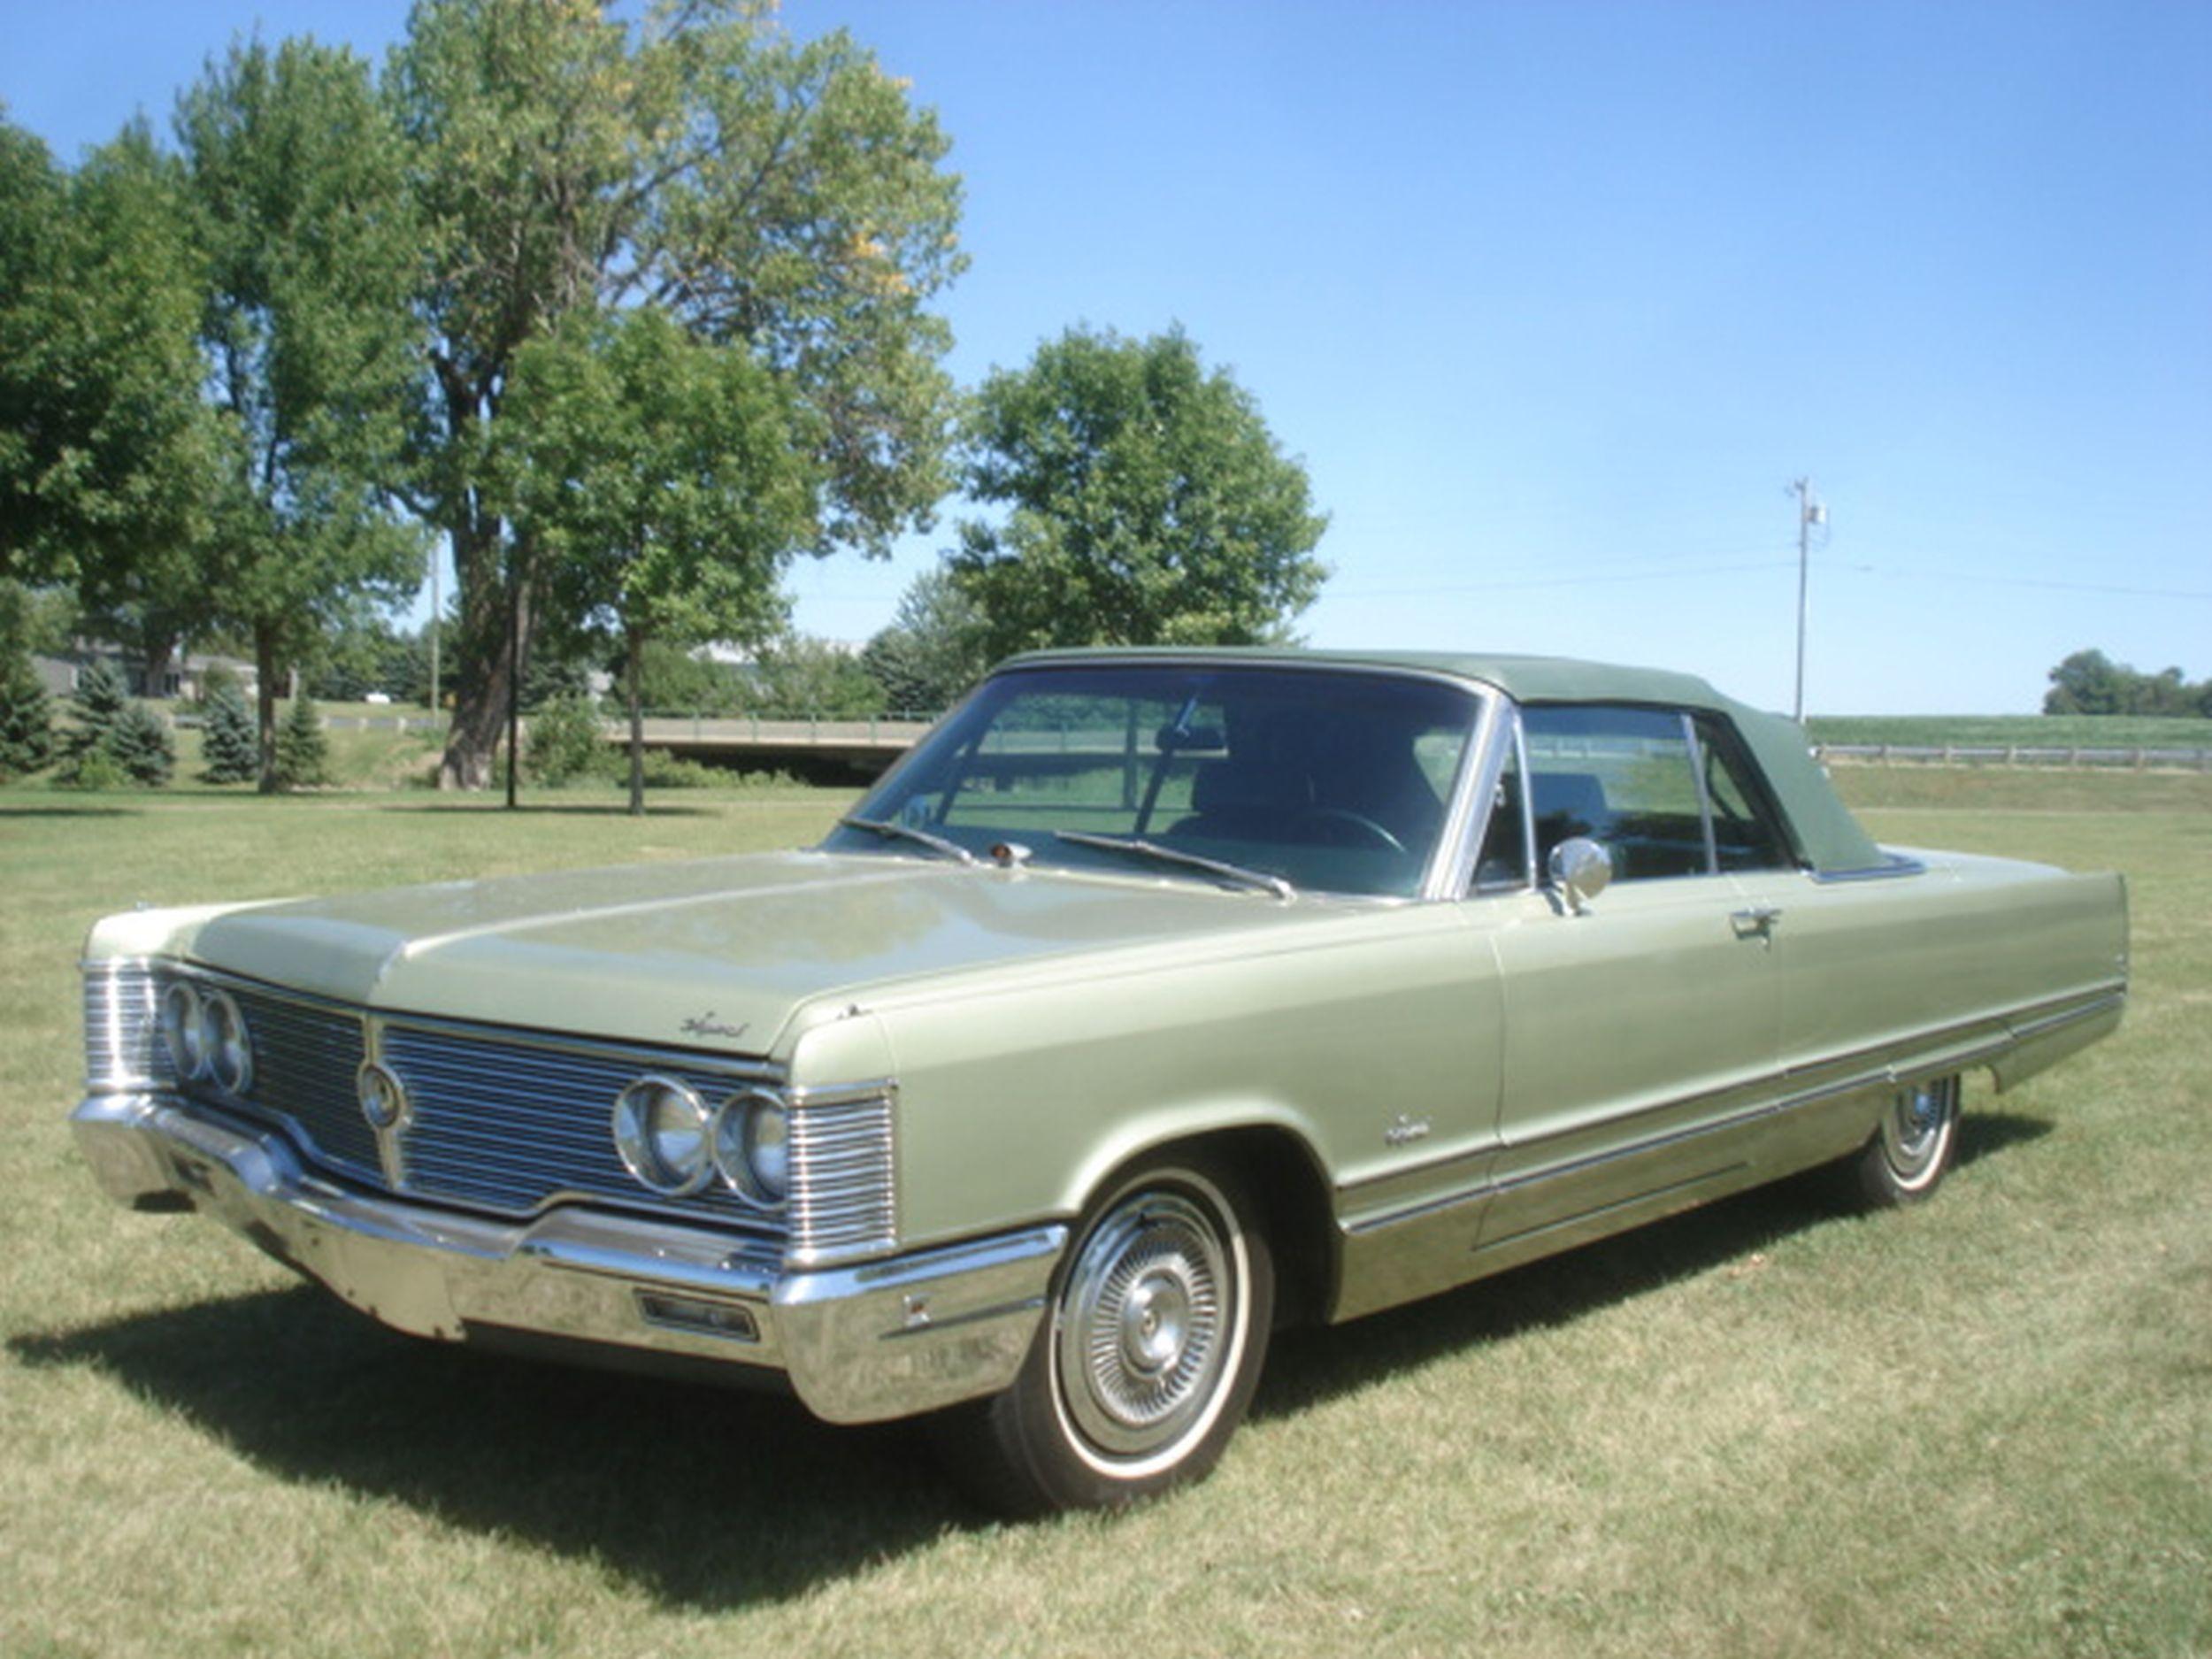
column 1368, row 828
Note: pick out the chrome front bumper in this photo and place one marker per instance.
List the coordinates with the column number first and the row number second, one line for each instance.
column 884, row 1339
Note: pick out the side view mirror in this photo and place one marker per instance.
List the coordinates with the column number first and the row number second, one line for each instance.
column 1580, row 869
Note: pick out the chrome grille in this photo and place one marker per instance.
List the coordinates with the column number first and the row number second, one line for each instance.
column 305, row 1055
column 497, row 1120
column 506, row 1125
column 840, row 1179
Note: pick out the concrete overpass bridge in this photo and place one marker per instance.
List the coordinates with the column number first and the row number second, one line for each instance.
column 809, row 745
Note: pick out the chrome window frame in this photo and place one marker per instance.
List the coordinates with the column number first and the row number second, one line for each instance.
column 1513, row 740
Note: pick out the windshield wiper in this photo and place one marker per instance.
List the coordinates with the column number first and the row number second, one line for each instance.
column 892, row 831
column 1260, row 879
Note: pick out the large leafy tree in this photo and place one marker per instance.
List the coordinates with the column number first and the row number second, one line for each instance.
column 294, row 184
column 664, row 478
column 106, row 444
column 1146, row 502
column 776, row 196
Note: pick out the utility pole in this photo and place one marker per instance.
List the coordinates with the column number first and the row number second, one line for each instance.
column 1809, row 513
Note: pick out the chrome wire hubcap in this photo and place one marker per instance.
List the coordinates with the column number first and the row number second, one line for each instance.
column 1141, row 1345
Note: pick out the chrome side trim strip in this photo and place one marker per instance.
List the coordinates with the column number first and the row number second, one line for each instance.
column 1889, row 871
column 1887, row 1074
column 2103, row 1004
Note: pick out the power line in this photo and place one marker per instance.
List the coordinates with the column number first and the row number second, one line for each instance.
column 1984, row 578
column 1583, row 579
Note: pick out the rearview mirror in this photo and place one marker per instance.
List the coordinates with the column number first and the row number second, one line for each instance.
column 1580, row 869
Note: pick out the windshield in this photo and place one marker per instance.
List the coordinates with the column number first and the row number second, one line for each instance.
column 1327, row 778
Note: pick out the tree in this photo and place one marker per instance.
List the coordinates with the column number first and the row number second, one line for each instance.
column 564, row 741
column 114, row 740
column 673, row 681
column 798, row 674
column 1147, row 503
column 26, row 721
column 659, row 476
column 775, row 196
column 295, row 180
column 303, row 749
column 2089, row 682
column 36, row 621
column 228, row 743
column 933, row 650
column 105, row 443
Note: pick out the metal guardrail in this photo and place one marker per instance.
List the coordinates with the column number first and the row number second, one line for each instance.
column 2061, row 757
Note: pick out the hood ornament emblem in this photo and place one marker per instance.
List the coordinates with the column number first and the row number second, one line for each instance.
column 707, row 1026
column 383, row 1097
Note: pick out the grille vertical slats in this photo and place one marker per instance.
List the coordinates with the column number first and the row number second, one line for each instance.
column 121, row 1024
column 841, row 1179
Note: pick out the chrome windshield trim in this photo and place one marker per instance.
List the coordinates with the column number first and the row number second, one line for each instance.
column 1452, row 867
column 1435, row 881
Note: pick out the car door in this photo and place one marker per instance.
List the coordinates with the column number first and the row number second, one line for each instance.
column 1638, row 1034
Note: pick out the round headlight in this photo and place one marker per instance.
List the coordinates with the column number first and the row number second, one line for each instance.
column 662, row 1130
column 226, row 1047
column 183, row 1030
column 752, row 1145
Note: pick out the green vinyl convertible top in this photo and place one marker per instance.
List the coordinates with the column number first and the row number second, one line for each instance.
column 1829, row 839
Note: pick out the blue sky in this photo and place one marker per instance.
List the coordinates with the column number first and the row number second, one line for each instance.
column 1555, row 299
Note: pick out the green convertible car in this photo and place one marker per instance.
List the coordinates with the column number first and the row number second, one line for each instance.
column 1156, row 998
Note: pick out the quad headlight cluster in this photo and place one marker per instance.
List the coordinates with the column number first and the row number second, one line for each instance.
column 206, row 1037
column 674, row 1142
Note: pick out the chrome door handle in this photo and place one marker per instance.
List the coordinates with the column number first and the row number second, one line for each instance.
column 1757, row 922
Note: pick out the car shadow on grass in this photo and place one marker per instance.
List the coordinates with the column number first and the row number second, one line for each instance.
column 706, row 1498
column 710, row 1498
column 1308, row 1366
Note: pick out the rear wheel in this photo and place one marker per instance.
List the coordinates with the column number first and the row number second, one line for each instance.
column 1912, row 1149
column 1146, row 1357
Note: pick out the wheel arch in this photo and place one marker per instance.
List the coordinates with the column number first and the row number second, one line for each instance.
column 1281, row 1175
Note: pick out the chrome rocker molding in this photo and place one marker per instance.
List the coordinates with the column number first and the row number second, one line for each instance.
column 857, row 1344
column 1448, row 1237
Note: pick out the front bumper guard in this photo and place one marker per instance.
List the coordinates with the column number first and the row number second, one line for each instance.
column 859, row 1344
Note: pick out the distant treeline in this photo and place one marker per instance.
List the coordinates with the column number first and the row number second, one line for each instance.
column 2089, row 682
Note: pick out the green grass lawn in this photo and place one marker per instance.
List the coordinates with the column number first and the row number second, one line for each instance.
column 1980, row 1427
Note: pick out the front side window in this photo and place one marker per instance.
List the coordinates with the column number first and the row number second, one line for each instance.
column 1622, row 777
column 1666, row 792
column 1336, row 780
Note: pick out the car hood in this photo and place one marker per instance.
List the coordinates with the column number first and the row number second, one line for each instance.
column 722, row 954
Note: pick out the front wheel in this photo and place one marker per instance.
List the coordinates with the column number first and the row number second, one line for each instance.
column 1148, row 1356
column 1913, row 1149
